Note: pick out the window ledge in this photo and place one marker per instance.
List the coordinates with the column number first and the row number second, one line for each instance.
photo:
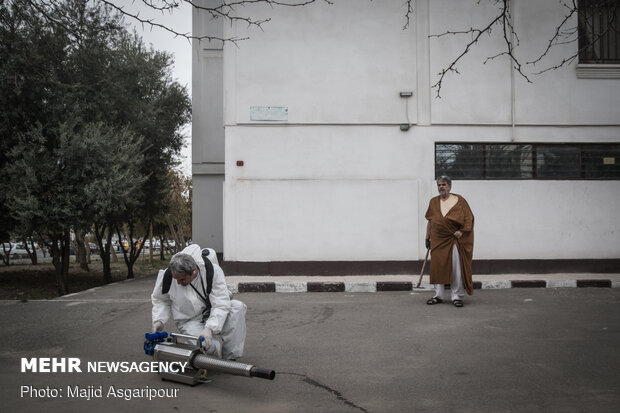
column 598, row 71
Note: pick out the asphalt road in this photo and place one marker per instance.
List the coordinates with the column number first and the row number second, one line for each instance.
column 511, row 350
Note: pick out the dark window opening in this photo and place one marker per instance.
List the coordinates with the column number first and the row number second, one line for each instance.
column 599, row 31
column 482, row 161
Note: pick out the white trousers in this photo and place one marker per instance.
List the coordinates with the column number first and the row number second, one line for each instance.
column 456, row 282
column 232, row 334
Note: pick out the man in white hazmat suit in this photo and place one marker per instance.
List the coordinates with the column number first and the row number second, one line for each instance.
column 193, row 291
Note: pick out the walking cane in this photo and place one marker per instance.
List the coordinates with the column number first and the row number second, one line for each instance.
column 428, row 250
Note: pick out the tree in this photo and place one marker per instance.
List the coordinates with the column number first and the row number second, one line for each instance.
column 178, row 201
column 30, row 54
column 54, row 197
column 156, row 109
column 124, row 83
column 30, row 72
column 7, row 247
column 84, row 107
column 41, row 196
column 112, row 177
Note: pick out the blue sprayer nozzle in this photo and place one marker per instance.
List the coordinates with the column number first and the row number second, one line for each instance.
column 152, row 339
column 159, row 335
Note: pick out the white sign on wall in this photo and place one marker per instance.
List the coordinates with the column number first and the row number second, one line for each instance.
column 269, row 113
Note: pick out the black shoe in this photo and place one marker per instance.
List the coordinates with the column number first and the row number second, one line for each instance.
column 434, row 300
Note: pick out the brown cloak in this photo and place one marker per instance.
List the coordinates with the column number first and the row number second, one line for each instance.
column 443, row 228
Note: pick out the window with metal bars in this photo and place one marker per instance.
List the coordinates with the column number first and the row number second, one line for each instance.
column 472, row 161
column 599, row 31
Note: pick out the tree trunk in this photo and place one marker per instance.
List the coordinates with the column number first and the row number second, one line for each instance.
column 130, row 248
column 162, row 254
column 80, row 250
column 6, row 254
column 181, row 241
column 65, row 259
column 104, row 251
column 31, row 253
column 87, row 246
column 151, row 243
column 134, row 248
column 61, row 286
column 105, row 259
column 173, row 232
column 56, row 254
column 130, row 270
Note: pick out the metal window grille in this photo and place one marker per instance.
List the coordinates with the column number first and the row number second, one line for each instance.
column 460, row 161
column 509, row 161
column 558, row 162
column 487, row 161
column 599, row 31
column 601, row 161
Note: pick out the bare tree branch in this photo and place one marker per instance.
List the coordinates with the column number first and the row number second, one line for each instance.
column 227, row 10
column 567, row 36
column 166, row 5
column 511, row 40
column 230, row 10
column 559, row 35
column 501, row 18
column 563, row 35
column 49, row 12
column 408, row 14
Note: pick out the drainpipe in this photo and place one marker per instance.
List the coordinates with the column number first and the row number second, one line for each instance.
column 512, row 75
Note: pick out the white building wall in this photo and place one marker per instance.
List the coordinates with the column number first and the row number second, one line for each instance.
column 207, row 132
column 337, row 180
column 534, row 219
column 543, row 220
column 558, row 97
column 326, row 193
column 327, row 63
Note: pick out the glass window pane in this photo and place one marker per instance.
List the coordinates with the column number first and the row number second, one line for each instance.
column 599, row 34
column 558, row 161
column 509, row 161
column 459, row 161
column 601, row 161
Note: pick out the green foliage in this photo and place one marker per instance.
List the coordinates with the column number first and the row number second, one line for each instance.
column 156, row 108
column 92, row 174
column 90, row 121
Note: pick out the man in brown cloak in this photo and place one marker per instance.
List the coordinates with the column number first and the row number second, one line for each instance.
column 450, row 231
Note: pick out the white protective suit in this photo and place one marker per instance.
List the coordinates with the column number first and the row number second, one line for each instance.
column 227, row 317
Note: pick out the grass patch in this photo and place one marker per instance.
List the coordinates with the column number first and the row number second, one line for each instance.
column 38, row 282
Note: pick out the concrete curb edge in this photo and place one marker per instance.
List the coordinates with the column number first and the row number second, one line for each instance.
column 380, row 286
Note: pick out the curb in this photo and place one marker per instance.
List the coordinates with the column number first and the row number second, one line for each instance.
column 380, row 286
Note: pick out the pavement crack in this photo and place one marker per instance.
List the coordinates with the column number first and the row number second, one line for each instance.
column 336, row 393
